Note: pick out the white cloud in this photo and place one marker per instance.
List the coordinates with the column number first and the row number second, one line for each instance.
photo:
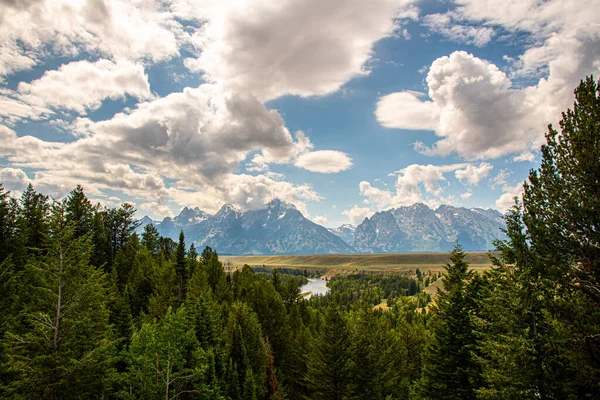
column 481, row 114
column 13, row 110
column 507, row 199
column 473, row 174
column 197, row 137
column 466, row 195
column 356, row 214
column 13, row 179
column 288, row 47
column 526, row 156
column 157, row 210
column 320, row 219
column 501, row 178
column 199, row 134
column 117, row 29
column 382, row 198
column 445, row 25
column 415, row 184
column 405, row 110
column 541, row 18
column 325, row 161
column 83, row 85
column 257, row 164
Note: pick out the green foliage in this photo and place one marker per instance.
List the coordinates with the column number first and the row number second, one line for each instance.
column 181, row 268
column 79, row 211
column 166, row 361
column 34, row 209
column 450, row 370
column 151, row 239
column 541, row 313
column 562, row 197
column 328, row 363
column 59, row 344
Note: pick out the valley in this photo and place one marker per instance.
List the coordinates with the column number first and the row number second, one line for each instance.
column 349, row 263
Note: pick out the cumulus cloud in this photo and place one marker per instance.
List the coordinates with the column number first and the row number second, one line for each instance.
column 158, row 210
column 507, row 199
column 13, row 179
column 246, row 44
column 325, row 161
column 472, row 174
column 476, row 112
column 414, row 184
column 380, row 197
column 320, row 219
column 83, row 85
column 13, row 110
column 117, row 29
column 200, row 133
column 475, row 109
column 197, row 138
column 406, row 110
column 466, row 195
column 356, row 214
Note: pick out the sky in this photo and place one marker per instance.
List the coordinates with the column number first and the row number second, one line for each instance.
column 340, row 107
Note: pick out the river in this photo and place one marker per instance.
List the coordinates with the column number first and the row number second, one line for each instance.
column 315, row 286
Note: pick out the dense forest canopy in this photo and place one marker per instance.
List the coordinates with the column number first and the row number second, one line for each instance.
column 89, row 309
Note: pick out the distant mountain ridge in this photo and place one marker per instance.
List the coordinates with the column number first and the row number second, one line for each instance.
column 277, row 229
column 420, row 228
column 280, row 228
column 345, row 232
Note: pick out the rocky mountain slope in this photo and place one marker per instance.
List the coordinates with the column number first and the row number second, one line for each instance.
column 280, row 228
column 419, row 228
column 345, row 232
column 277, row 229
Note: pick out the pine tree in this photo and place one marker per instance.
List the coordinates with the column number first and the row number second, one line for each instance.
column 276, row 281
column 7, row 224
column 32, row 217
column 450, row 370
column 328, row 365
column 216, row 274
column 181, row 268
column 245, row 348
column 521, row 357
column 561, row 203
column 80, row 211
column 543, row 312
column 192, row 260
column 59, row 347
column 207, row 254
column 151, row 239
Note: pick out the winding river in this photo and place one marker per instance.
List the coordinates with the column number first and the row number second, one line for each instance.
column 316, row 286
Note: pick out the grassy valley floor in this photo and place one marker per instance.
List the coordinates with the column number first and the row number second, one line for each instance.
column 351, row 263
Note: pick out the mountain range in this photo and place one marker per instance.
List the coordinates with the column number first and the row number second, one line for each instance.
column 280, row 228
column 420, row 228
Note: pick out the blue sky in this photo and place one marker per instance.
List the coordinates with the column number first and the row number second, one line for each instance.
column 343, row 108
